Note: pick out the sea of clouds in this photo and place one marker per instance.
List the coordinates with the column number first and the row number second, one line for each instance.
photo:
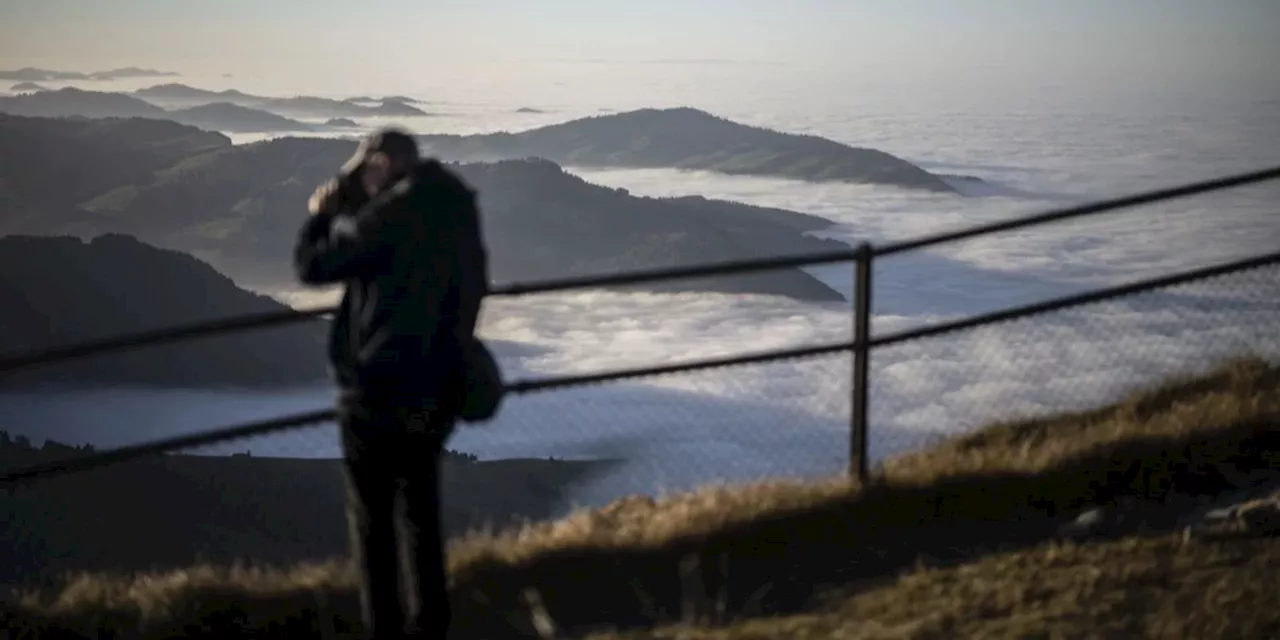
column 790, row 418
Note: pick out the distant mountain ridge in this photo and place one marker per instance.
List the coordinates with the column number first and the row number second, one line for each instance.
column 679, row 138
column 62, row 290
column 40, row 154
column 687, row 138
column 217, row 116
column 31, row 74
column 233, row 118
column 73, row 102
column 239, row 207
column 405, row 99
column 231, row 110
column 180, row 95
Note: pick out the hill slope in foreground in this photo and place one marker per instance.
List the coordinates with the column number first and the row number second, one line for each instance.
column 686, row 138
column 960, row 540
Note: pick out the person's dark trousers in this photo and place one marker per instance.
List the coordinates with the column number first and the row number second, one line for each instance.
column 393, row 452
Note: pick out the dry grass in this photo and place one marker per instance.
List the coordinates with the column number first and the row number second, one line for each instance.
column 736, row 552
column 1164, row 587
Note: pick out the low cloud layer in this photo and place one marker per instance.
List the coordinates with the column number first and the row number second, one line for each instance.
column 790, row 418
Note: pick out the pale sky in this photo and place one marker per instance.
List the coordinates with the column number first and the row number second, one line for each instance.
column 888, row 36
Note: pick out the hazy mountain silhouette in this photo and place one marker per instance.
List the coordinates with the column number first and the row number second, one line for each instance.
column 31, row 74
column 131, row 72
column 232, row 118
column 214, row 116
column 61, row 290
column 27, row 86
column 680, row 138
column 51, row 165
column 239, row 207
column 228, row 110
column 686, row 138
column 173, row 91
column 405, row 99
column 180, row 95
column 78, row 102
column 341, row 123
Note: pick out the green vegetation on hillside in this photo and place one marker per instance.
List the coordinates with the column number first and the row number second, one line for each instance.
column 827, row 559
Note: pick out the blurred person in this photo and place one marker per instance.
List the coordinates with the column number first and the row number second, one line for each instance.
column 403, row 236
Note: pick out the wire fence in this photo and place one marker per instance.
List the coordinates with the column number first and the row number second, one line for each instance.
column 819, row 411
column 1072, row 358
column 175, row 334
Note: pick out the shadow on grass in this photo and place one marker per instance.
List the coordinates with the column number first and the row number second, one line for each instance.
column 1188, row 437
column 727, row 554
column 775, row 566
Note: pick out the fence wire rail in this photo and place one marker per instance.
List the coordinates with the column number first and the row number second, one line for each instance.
column 196, row 330
column 860, row 346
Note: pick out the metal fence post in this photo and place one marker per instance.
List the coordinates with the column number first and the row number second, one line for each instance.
column 861, row 361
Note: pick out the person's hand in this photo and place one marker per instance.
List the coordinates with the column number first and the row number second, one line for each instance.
column 326, row 198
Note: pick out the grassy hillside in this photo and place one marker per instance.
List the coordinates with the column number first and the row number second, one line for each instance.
column 827, row 559
column 1164, row 586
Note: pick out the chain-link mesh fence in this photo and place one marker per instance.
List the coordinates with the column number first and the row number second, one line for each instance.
column 173, row 510
column 1072, row 359
column 181, row 506
column 278, row 498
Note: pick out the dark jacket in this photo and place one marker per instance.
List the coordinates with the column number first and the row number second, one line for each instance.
column 415, row 270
